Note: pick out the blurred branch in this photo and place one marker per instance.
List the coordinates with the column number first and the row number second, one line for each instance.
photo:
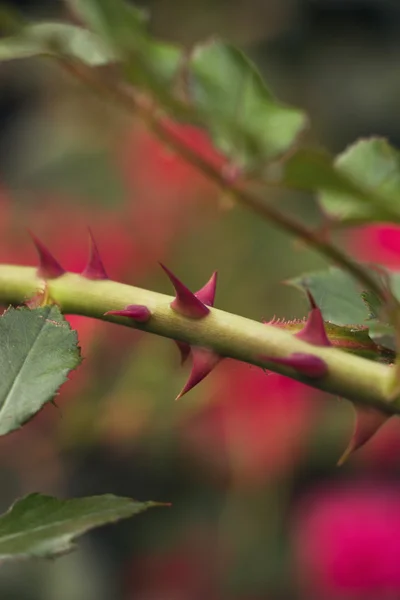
column 133, row 102
column 357, row 379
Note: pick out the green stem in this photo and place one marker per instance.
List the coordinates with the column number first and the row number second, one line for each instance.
column 349, row 376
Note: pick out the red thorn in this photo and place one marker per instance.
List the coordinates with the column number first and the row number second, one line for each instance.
column 49, row 267
column 203, row 362
column 186, row 303
column 314, row 331
column 137, row 312
column 184, row 350
column 94, row 268
column 367, row 423
column 207, row 293
column 306, row 364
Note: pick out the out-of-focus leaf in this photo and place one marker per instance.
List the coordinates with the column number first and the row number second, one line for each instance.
column 147, row 61
column 337, row 295
column 37, row 351
column 383, row 334
column 43, row 527
column 374, row 165
column 116, row 21
column 246, row 122
column 373, row 304
column 55, row 39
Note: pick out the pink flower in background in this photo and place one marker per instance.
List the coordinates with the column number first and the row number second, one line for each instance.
column 347, row 543
column 253, row 426
column 376, row 243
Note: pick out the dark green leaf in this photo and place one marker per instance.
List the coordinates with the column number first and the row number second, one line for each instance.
column 337, row 295
column 43, row 527
column 37, row 351
column 245, row 120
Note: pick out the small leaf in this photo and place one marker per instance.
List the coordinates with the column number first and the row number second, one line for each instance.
column 245, row 120
column 55, row 39
column 37, row 351
column 116, row 21
column 147, row 61
column 373, row 304
column 374, row 165
column 336, row 293
column 43, row 527
column 382, row 334
column 367, row 423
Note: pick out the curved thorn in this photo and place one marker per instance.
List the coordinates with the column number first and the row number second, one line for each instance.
column 207, row 293
column 49, row 267
column 94, row 268
column 184, row 350
column 137, row 312
column 185, row 303
column 203, row 362
column 367, row 423
column 314, row 331
column 306, row 364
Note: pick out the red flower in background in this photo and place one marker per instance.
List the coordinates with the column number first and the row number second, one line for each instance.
column 376, row 243
column 379, row 244
column 253, row 426
column 347, row 543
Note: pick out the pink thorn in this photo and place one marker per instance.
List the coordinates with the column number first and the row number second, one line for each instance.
column 186, row 303
column 49, row 267
column 306, row 364
column 314, row 331
column 207, row 293
column 367, row 423
column 203, row 362
column 137, row 312
column 94, row 268
column 184, row 350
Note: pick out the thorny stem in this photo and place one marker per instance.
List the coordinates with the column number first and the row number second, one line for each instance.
column 133, row 103
column 360, row 380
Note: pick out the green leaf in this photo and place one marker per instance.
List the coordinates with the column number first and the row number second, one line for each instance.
column 337, row 295
column 373, row 304
column 383, row 334
column 116, row 21
column 245, row 120
column 43, row 527
column 375, row 166
column 149, row 62
column 56, row 39
column 37, row 351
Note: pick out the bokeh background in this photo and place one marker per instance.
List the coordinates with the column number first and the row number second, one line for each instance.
column 259, row 509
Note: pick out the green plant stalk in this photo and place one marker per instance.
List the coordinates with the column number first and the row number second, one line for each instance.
column 352, row 377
